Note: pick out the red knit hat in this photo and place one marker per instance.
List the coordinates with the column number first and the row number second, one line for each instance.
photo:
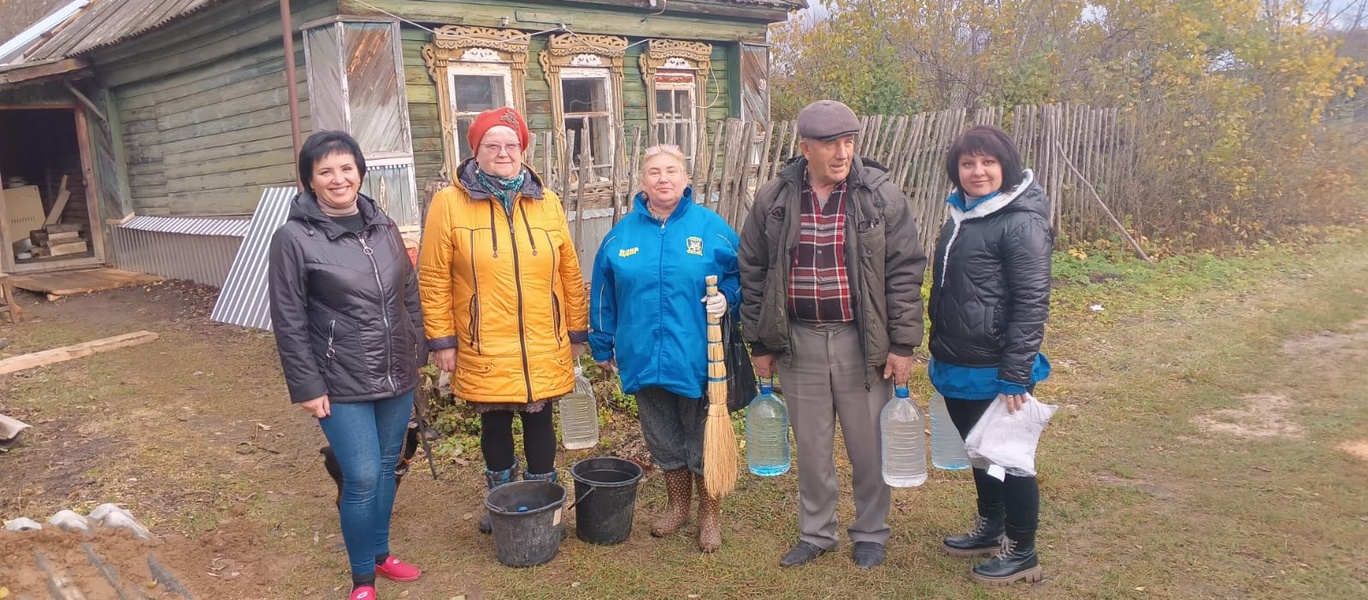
column 495, row 117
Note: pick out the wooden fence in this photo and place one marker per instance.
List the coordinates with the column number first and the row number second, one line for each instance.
column 734, row 157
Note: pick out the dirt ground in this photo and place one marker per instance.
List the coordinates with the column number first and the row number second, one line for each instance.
column 194, row 434
column 1209, row 444
column 73, row 458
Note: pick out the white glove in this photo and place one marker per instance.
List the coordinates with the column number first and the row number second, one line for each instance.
column 716, row 305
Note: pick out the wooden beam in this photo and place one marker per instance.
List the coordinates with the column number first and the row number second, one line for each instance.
column 63, row 196
column 39, row 71
column 84, row 100
column 65, row 353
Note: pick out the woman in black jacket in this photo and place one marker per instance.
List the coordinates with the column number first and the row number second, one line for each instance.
column 348, row 327
column 990, row 298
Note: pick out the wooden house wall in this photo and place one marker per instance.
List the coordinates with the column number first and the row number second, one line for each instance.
column 721, row 95
column 203, row 111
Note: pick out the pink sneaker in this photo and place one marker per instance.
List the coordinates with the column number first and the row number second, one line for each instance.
column 394, row 569
column 364, row 592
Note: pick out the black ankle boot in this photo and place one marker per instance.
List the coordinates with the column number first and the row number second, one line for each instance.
column 1015, row 561
column 982, row 539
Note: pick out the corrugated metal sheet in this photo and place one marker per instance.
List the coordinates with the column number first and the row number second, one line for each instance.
column 190, row 225
column 202, row 258
column 244, row 300
column 106, row 22
column 35, row 32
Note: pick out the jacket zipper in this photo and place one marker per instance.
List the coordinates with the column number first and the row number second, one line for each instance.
column 384, row 312
column 332, row 334
column 522, row 319
column 475, row 297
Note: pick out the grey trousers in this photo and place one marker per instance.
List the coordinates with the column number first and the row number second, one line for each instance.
column 823, row 380
column 673, row 428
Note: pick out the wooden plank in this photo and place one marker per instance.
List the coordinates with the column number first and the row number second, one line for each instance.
column 67, row 248
column 60, row 205
column 65, row 353
column 64, row 227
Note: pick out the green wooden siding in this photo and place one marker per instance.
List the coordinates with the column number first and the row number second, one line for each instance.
column 204, row 112
column 531, row 15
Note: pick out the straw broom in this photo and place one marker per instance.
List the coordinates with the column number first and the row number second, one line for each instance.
column 719, row 439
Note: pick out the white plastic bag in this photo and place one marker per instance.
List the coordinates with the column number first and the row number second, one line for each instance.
column 1008, row 440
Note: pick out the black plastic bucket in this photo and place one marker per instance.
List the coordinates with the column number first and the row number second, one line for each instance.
column 526, row 519
column 605, row 498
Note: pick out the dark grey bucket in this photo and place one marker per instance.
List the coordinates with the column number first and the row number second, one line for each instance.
column 526, row 519
column 605, row 498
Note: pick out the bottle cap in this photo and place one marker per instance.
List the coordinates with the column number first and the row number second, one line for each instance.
column 766, row 389
column 900, row 391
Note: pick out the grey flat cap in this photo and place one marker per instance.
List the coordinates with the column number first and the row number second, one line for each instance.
column 826, row 120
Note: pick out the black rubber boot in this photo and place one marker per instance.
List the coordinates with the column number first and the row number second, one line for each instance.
column 1015, row 561
column 983, row 539
column 495, row 479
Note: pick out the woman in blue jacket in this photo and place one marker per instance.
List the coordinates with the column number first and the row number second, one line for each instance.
column 647, row 322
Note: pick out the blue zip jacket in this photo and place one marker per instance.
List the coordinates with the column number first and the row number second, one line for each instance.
column 645, row 305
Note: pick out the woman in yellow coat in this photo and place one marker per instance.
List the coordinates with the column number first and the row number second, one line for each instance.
column 504, row 305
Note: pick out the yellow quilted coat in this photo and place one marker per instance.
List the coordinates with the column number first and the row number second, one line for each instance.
column 506, row 292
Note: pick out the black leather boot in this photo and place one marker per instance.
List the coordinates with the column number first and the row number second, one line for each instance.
column 982, row 539
column 1015, row 561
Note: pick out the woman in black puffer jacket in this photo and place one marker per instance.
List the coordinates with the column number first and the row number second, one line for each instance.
column 990, row 298
column 348, row 327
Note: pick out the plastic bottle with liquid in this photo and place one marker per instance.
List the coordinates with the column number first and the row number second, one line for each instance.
column 579, row 415
column 947, row 447
column 767, row 433
column 904, row 441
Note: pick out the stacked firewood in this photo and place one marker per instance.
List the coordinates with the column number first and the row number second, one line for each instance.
column 59, row 239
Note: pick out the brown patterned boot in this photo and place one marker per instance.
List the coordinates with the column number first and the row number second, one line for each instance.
column 679, row 487
column 709, row 520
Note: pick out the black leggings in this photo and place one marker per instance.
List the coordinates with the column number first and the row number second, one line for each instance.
column 539, row 440
column 1016, row 498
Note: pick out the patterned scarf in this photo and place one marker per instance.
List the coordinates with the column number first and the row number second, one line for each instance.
column 503, row 188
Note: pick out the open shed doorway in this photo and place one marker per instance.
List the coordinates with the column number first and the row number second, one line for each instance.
column 48, row 206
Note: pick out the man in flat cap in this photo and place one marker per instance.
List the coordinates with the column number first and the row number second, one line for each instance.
column 831, row 274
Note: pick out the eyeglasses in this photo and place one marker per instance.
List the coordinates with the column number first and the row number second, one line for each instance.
column 496, row 149
column 663, row 149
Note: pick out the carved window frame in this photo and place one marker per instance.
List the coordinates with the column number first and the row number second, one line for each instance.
column 578, row 52
column 457, row 50
column 677, row 55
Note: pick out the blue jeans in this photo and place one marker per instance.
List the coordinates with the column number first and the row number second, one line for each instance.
column 367, row 438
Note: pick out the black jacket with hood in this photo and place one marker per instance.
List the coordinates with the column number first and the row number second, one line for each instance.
column 344, row 306
column 990, row 294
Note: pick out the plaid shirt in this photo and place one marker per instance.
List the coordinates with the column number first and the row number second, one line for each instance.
column 819, row 290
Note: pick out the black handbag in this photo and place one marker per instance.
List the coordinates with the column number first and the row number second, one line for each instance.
column 741, row 383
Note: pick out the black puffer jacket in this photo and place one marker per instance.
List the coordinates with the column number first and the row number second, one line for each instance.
column 990, row 296
column 344, row 306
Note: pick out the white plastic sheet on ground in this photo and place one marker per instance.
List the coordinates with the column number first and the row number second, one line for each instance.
column 1008, row 440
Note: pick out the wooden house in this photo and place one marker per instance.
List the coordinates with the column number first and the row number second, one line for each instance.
column 167, row 118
